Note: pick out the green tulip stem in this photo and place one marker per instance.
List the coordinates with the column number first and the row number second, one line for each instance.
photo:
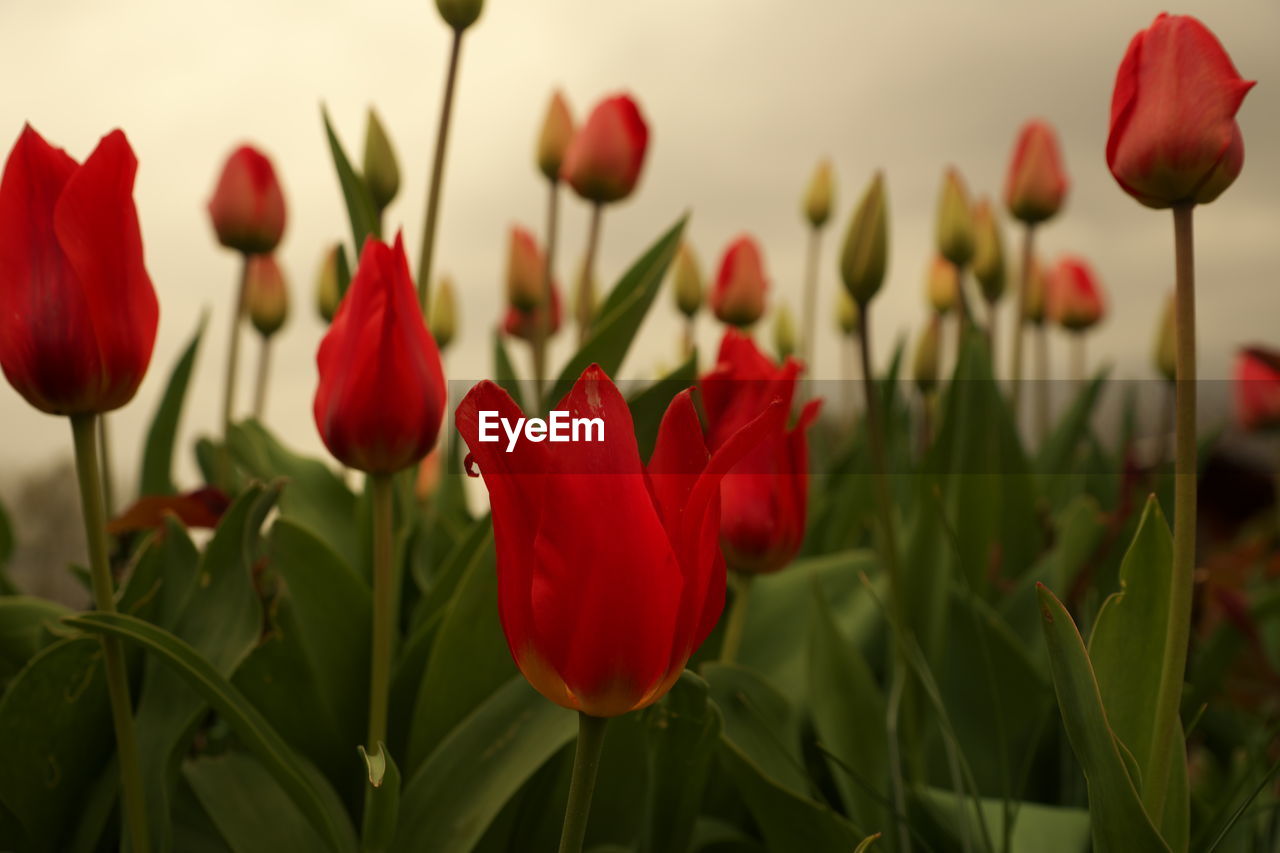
column 586, row 763
column 1042, row 382
column 585, row 309
column 992, row 319
column 108, row 478
column 1178, row 626
column 264, row 374
column 437, row 179
column 809, row 320
column 233, row 366
column 1079, row 360
column 542, row 328
column 84, row 431
column 963, row 318
column 383, row 608
column 1020, row 320
column 690, row 335
column 737, row 618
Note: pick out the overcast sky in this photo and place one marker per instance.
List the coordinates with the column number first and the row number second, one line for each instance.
column 741, row 98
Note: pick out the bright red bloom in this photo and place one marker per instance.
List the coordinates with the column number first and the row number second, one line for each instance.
column 741, row 283
column 609, row 572
column 1074, row 298
column 1037, row 183
column 764, row 498
column 1258, row 388
column 605, row 156
column 1174, row 137
column 247, row 207
column 524, row 324
column 381, row 397
column 78, row 313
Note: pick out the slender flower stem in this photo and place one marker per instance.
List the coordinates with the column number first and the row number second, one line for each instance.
column 108, row 480
column 926, row 423
column 1042, row 382
column 1020, row 321
column 809, row 320
column 585, row 309
column 1178, row 630
column 737, row 618
column 1078, row 360
column 383, row 609
column 689, row 335
column 233, row 366
column 264, row 373
column 992, row 319
column 586, row 763
column 963, row 314
column 84, row 434
column 437, row 177
column 542, row 328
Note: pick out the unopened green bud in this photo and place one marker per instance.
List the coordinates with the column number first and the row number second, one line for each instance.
column 943, row 285
column 924, row 369
column 784, row 332
column 381, row 171
column 444, row 314
column 955, row 220
column 817, row 199
column 686, row 280
column 327, row 285
column 847, row 313
column 988, row 252
column 460, row 14
column 553, row 141
column 866, row 245
column 1033, row 309
column 266, row 295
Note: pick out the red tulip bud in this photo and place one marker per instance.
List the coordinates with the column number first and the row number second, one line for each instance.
column 247, row 207
column 1258, row 388
column 1037, row 183
column 738, row 297
column 526, row 266
column 1074, row 295
column 78, row 313
column 381, row 397
column 524, row 324
column 266, row 295
column 604, row 159
column 763, row 499
column 609, row 571
column 1174, row 137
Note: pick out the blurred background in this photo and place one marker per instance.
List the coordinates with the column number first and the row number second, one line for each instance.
column 742, row 99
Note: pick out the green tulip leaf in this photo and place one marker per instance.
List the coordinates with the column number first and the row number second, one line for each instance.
column 381, row 802
column 157, row 455
column 649, row 406
column 361, row 209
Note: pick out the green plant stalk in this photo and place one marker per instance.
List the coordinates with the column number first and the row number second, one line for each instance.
column 688, row 338
column 1042, row 382
column 809, row 320
column 84, row 431
column 233, row 366
column 963, row 318
column 737, row 620
column 264, row 373
column 586, row 763
column 585, row 309
column 992, row 319
column 108, row 480
column 1178, row 627
column 383, row 638
column 1078, row 360
column 1019, row 320
column 437, row 177
column 542, row 329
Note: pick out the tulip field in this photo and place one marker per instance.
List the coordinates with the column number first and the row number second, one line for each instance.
column 939, row 605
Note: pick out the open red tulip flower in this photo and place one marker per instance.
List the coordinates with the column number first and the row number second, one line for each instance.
column 78, row 313
column 382, row 396
column 1258, row 388
column 1037, row 182
column 247, row 207
column 1174, row 138
column 605, row 156
column 1074, row 295
column 764, row 498
column 609, row 571
column 741, row 283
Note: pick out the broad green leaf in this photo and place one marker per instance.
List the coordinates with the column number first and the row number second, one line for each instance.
column 649, row 406
column 759, row 721
column 309, row 674
column 344, row 270
column 1127, row 649
column 1037, row 828
column 248, row 807
column 849, row 716
column 1056, row 453
column 1119, row 822
column 619, row 318
column 55, row 736
column 450, row 801
column 361, row 209
column 160, row 579
column 469, row 660
column 504, row 372
column 381, row 802
column 314, row 496
column 304, row 785
column 683, row 731
column 24, row 630
column 157, row 454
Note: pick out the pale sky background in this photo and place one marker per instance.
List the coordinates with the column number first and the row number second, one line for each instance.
column 742, row 97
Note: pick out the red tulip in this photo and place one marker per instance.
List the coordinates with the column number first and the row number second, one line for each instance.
column 78, row 313
column 1074, row 295
column 1037, row 183
column 609, row 574
column 247, row 207
column 605, row 156
column 738, row 296
column 381, row 397
column 763, row 499
column 1258, row 388
column 524, row 324
column 1174, row 137
column 526, row 267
